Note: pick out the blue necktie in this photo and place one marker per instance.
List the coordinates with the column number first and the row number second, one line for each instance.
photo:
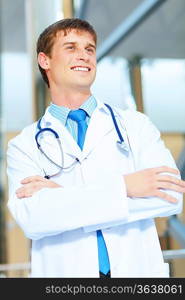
column 79, row 116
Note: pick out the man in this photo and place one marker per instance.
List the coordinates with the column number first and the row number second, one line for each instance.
column 88, row 204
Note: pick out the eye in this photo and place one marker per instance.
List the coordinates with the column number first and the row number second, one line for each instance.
column 70, row 47
column 91, row 50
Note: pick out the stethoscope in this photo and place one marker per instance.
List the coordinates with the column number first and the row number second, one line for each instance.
column 121, row 144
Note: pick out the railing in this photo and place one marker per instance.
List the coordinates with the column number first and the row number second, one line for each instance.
column 173, row 254
column 23, row 269
column 15, row 270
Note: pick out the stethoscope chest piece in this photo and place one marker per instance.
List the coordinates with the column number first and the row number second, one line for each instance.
column 123, row 147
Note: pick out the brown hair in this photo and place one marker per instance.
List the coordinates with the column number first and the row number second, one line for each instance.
column 47, row 37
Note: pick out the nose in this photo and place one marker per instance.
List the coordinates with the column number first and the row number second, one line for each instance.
column 82, row 55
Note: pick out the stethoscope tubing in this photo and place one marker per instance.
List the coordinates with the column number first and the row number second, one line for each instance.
column 61, row 167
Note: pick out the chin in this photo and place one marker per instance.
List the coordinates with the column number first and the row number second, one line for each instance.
column 84, row 84
column 84, row 88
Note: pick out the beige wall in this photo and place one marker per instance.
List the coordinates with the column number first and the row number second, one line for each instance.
column 16, row 244
column 175, row 142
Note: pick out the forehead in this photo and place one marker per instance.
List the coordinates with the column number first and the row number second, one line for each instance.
column 75, row 35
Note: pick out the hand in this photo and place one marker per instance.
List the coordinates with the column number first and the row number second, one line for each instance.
column 34, row 184
column 148, row 182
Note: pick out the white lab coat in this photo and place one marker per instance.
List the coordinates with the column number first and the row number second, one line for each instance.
column 62, row 222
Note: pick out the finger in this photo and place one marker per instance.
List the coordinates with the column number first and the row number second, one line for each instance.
column 172, row 179
column 19, row 190
column 21, row 195
column 166, row 169
column 171, row 186
column 33, row 178
column 166, row 197
column 24, row 190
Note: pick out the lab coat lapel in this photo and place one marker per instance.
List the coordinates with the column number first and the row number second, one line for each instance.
column 100, row 124
column 69, row 145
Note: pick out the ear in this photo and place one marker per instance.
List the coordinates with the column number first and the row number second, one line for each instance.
column 43, row 60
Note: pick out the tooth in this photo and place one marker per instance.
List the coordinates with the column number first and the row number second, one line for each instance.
column 81, row 69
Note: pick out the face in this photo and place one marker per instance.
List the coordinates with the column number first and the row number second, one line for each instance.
column 73, row 60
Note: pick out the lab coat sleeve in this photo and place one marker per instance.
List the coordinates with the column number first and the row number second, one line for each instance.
column 151, row 152
column 51, row 211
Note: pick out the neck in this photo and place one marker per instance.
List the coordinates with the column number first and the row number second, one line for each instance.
column 72, row 99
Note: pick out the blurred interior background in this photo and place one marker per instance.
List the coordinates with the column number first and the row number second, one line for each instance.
column 141, row 66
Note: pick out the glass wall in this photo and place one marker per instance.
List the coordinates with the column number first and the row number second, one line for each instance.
column 164, row 93
column 112, row 84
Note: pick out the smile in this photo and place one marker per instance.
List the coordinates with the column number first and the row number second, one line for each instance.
column 84, row 69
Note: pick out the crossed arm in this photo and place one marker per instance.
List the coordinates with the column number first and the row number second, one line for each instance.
column 148, row 193
column 145, row 183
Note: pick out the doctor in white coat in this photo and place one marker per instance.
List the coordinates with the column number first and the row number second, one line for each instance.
column 62, row 195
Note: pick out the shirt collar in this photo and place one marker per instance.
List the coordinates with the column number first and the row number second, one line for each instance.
column 61, row 112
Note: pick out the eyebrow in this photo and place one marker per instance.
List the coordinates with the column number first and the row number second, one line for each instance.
column 89, row 44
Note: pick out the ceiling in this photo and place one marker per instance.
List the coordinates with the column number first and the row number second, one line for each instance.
column 161, row 35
